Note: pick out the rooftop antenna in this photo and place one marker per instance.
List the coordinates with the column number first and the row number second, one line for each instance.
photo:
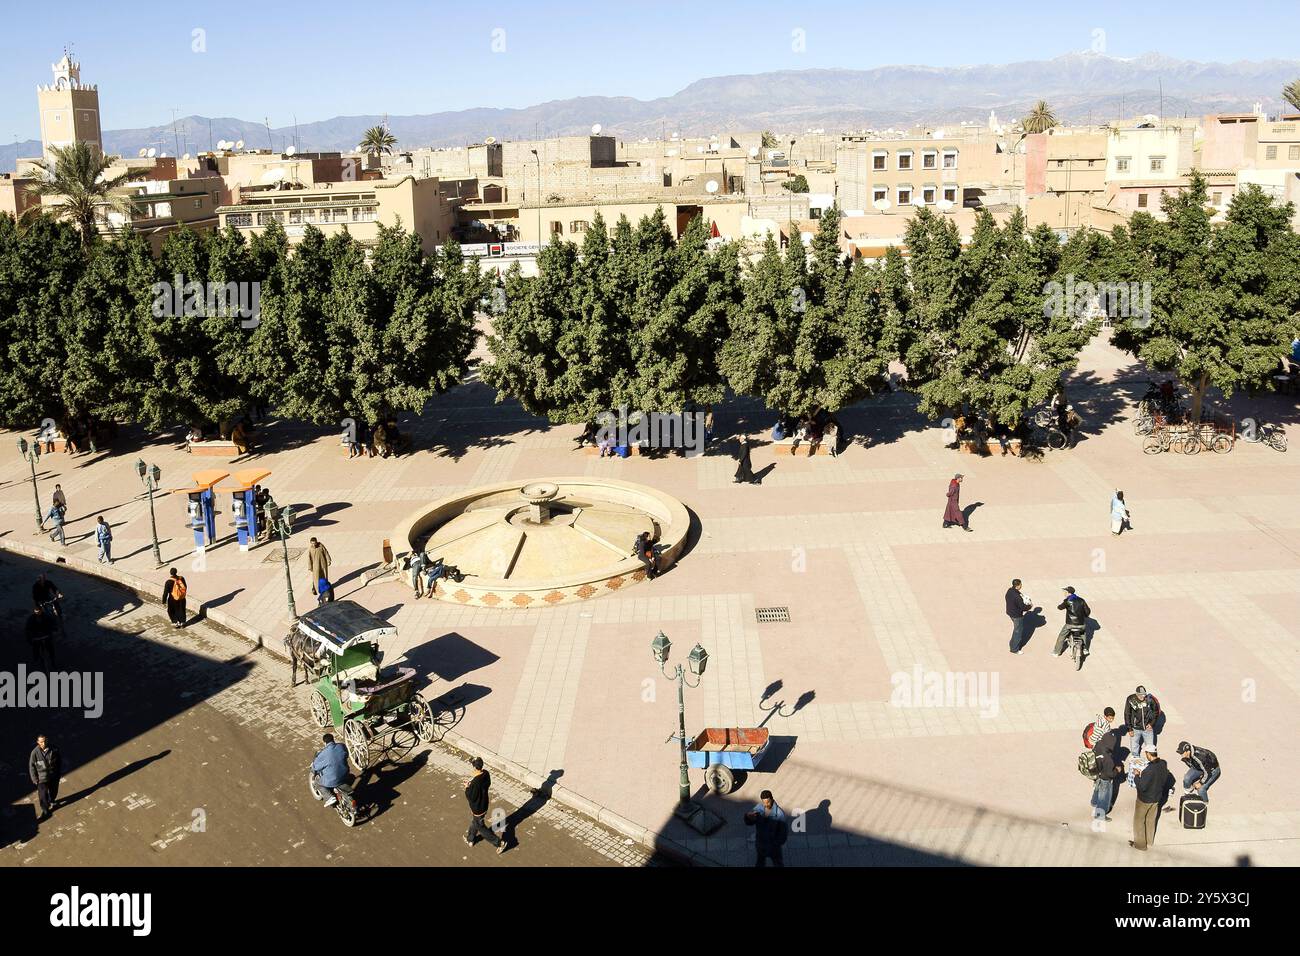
column 295, row 131
column 176, row 134
column 1160, row 83
column 209, row 135
column 269, row 142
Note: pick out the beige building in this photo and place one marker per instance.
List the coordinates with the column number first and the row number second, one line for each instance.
column 965, row 169
column 571, row 220
column 418, row 205
column 1065, row 176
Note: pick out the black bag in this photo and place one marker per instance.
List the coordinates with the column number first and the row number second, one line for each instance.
column 1192, row 809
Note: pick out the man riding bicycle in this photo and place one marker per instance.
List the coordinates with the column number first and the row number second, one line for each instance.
column 40, row 635
column 330, row 768
column 46, row 594
column 1077, row 613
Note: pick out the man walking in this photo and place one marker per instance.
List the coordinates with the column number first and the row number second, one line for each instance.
column 1154, row 783
column 1017, row 608
column 770, row 830
column 104, row 537
column 44, row 768
column 476, row 793
column 952, row 513
column 174, row 592
column 55, row 517
column 1202, row 769
column 1140, row 713
column 318, row 560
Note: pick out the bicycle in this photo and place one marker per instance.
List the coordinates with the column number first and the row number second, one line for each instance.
column 55, row 612
column 1257, row 432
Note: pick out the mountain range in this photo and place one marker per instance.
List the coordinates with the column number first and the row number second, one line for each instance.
column 1080, row 87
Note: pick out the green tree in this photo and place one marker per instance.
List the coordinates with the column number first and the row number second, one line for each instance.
column 769, row 139
column 809, row 335
column 1039, row 119
column 1224, row 299
column 1291, row 93
column 40, row 266
column 75, row 177
column 796, row 184
column 377, row 141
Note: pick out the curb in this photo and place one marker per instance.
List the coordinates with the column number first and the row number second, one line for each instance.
column 146, row 592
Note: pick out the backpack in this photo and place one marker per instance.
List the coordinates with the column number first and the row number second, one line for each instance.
column 1087, row 735
column 1088, row 764
column 178, row 589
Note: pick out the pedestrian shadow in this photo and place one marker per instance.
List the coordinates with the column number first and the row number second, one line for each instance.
column 1033, row 619
column 970, row 510
column 351, row 575
column 763, row 473
column 540, row 796
column 113, row 777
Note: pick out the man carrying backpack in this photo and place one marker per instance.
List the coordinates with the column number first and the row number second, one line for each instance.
column 1141, row 710
column 174, row 592
column 770, row 830
column 1202, row 769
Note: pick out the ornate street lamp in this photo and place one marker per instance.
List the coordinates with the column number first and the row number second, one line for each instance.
column 282, row 524
column 151, row 475
column 694, row 815
column 33, row 454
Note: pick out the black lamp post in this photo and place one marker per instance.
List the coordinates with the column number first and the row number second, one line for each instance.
column 687, row 810
column 151, row 475
column 33, row 454
column 282, row 524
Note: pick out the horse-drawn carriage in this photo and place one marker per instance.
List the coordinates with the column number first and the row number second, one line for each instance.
column 337, row 645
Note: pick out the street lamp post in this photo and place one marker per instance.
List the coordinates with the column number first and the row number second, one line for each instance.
column 687, row 810
column 539, row 198
column 282, row 524
column 150, row 475
column 33, row 454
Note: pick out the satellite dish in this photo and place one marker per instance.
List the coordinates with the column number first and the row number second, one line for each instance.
column 945, row 204
column 291, row 150
column 753, row 151
column 239, row 144
column 163, row 155
column 711, row 186
column 881, row 204
column 595, row 130
column 939, row 134
column 186, row 156
column 152, row 152
column 489, row 140
column 142, row 152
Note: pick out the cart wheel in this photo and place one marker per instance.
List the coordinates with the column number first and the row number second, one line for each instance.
column 354, row 735
column 320, row 709
column 719, row 779
column 422, row 719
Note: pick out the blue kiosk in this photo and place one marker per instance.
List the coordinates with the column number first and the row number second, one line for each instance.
column 244, row 505
column 201, row 514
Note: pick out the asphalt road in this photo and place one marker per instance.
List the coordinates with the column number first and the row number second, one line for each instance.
column 200, row 758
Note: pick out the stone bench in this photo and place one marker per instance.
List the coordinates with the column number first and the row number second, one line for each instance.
column 215, row 448
column 968, row 446
column 61, row 444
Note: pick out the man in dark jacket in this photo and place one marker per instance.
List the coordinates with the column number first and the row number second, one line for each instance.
column 44, row 766
column 40, row 635
column 476, row 792
column 1154, row 784
column 1017, row 608
column 1202, row 769
column 1077, row 613
column 770, row 830
column 1103, row 789
column 1141, row 711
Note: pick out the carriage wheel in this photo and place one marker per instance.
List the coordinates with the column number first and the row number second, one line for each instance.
column 320, row 709
column 719, row 779
column 422, row 719
column 1153, row 445
column 1221, row 444
column 354, row 735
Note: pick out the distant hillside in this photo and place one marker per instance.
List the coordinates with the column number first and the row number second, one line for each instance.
column 1079, row 86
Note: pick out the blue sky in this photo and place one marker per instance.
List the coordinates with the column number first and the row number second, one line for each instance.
column 276, row 58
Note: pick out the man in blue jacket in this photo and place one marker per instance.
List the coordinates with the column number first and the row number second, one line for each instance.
column 330, row 768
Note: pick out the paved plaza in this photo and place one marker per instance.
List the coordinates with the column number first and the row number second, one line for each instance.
column 1197, row 603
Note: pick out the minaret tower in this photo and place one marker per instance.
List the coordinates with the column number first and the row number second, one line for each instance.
column 69, row 109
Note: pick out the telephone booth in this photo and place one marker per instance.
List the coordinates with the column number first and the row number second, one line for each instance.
column 201, row 510
column 243, row 505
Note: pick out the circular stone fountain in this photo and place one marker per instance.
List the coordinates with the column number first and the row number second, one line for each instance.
column 551, row 541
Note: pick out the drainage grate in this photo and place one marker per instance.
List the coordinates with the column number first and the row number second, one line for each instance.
column 278, row 555
column 772, row 615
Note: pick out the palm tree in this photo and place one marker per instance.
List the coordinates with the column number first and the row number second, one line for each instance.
column 377, row 140
column 1040, row 119
column 1291, row 93
column 75, row 175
